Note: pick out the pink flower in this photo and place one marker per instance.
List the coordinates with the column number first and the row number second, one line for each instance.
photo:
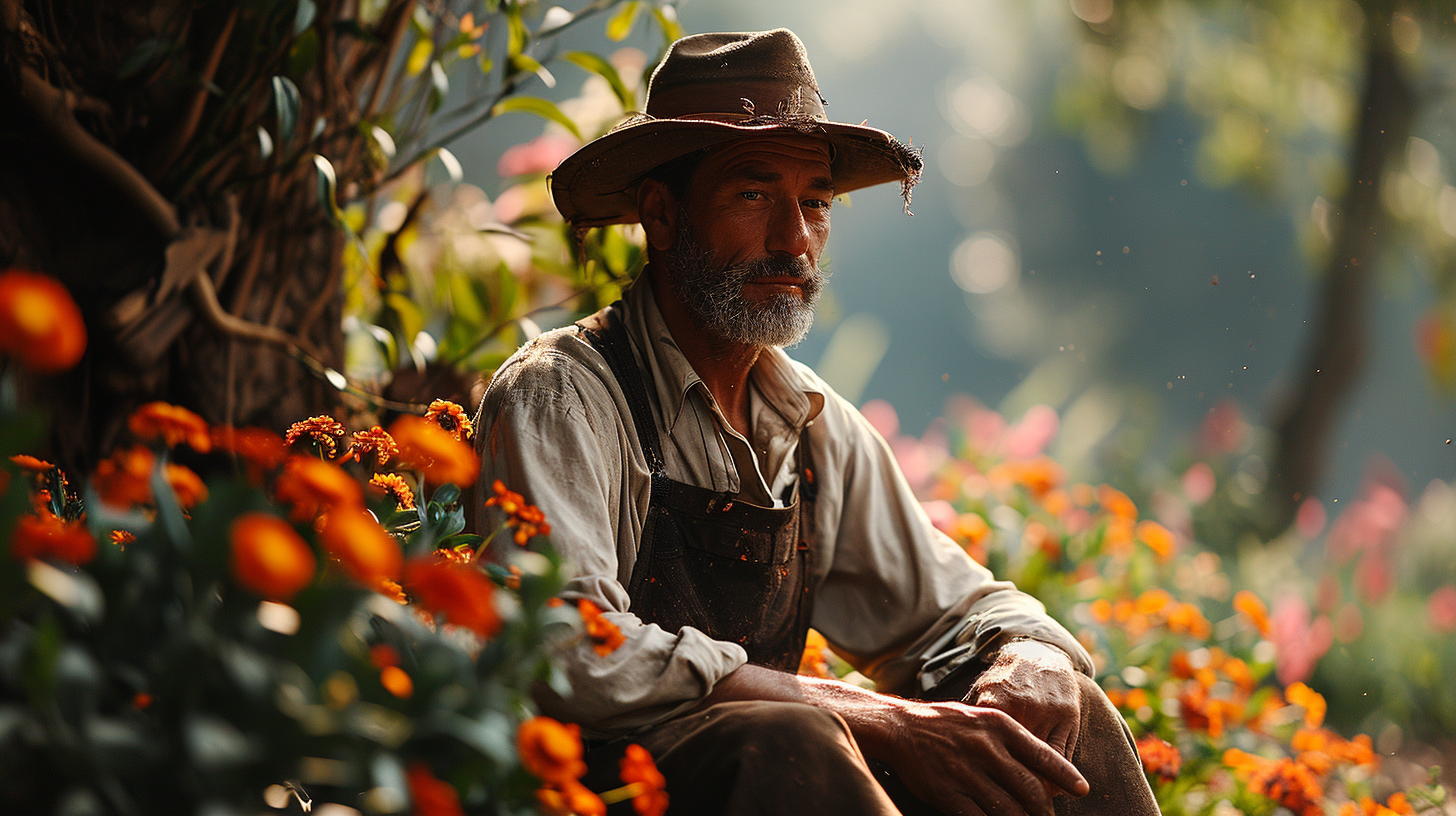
column 1298, row 643
column 942, row 514
column 1037, row 428
column 1441, row 609
column 536, row 157
column 882, row 417
column 983, row 427
column 1223, row 428
column 1199, row 483
column 1311, row 518
column 1369, row 524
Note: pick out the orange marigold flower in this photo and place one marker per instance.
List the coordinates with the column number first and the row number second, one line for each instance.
column 172, row 424
column 367, row 552
column 527, row 519
column 397, row 682
column 394, row 485
column 1038, row 537
column 392, row 591
column 550, row 750
column 1308, row 699
column 121, row 538
column 451, row 419
column 383, row 655
column 1160, row 759
column 1117, row 503
column 30, row 464
column 48, row 537
column 570, row 798
column 462, row 593
column 377, row 441
column 186, row 485
column 269, row 557
column 1186, row 619
column 124, row 479
column 1289, row 784
column 1399, row 803
column 260, row 449
column 639, row 769
column 40, row 324
column 1238, row 672
column 1153, row 601
column 1250, row 606
column 1158, row 538
column 429, row 795
column 440, row 456
column 323, row 431
column 312, row 486
column 1117, row 538
column 605, row 636
column 813, row 662
column 1101, row 610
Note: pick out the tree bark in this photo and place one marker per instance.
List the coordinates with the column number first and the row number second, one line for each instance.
column 1336, row 355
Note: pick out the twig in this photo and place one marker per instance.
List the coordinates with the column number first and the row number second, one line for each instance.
column 52, row 107
column 168, row 153
column 206, row 298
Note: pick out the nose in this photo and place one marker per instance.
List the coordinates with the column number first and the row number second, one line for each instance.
column 788, row 232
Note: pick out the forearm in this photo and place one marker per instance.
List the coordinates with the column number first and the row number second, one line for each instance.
column 874, row 719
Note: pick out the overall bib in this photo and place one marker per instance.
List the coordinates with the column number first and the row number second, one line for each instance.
column 734, row 570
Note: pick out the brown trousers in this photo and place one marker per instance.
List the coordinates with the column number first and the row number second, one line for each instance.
column 794, row 759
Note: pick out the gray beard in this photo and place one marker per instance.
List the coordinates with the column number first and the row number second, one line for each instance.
column 714, row 294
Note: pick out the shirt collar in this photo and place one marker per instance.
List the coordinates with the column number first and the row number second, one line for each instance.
column 784, row 388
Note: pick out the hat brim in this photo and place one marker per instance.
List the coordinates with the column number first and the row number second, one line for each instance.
column 597, row 185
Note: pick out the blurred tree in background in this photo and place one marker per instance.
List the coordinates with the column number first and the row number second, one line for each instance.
column 1321, row 101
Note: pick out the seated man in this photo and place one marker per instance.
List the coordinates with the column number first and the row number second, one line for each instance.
column 717, row 499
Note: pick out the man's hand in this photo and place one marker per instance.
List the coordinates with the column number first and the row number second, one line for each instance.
column 966, row 759
column 1036, row 684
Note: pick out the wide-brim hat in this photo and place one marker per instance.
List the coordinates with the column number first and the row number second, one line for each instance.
column 716, row 88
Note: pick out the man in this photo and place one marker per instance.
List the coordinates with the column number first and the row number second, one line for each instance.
column 717, row 498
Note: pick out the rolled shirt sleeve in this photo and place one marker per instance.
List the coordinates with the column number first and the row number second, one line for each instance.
column 552, row 430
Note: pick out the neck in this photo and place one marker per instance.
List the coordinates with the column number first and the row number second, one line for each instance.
column 723, row 365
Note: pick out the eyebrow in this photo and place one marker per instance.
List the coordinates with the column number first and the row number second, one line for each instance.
column 820, row 183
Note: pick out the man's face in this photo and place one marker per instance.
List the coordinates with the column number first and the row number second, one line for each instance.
column 745, row 261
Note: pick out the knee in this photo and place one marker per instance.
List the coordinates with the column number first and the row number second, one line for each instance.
column 770, row 726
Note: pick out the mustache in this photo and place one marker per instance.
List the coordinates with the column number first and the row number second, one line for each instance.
column 776, row 267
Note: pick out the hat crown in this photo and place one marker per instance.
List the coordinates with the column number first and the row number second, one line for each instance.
column 735, row 75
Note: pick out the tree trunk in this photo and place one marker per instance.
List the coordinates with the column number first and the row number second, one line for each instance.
column 1336, row 355
column 134, row 188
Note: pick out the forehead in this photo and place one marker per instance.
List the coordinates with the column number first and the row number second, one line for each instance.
column 781, row 155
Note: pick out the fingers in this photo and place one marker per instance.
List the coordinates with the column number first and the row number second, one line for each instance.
column 1044, row 760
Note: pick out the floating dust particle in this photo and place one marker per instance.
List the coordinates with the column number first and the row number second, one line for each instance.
column 945, row 378
column 1214, row 281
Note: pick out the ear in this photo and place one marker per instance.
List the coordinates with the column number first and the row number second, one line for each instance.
column 658, row 211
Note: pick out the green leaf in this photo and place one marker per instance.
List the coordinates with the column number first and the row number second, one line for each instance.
column 327, row 182
column 445, row 494
column 146, row 52
column 452, row 165
column 439, row 85
column 285, row 105
column 516, row 42
column 459, row 540
column 419, row 56
column 621, row 23
column 303, row 18
column 672, row 30
column 541, row 107
column 407, row 313
column 528, row 63
column 597, row 65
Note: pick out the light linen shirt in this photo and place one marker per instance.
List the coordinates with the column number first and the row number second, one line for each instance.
column 890, row 590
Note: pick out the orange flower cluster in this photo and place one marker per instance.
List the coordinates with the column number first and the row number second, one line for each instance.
column 46, row 536
column 269, row 557
column 1396, row 805
column 640, row 771
column 1158, row 538
column 172, row 424
column 1200, row 708
column 462, row 593
column 1320, row 747
column 1286, row 782
column 124, row 480
column 1155, row 607
column 40, row 324
column 1248, row 604
column 1308, row 699
column 260, row 450
column 323, row 431
column 451, row 419
column 368, row 553
column 605, row 636
column 1160, row 758
column 430, row 795
column 377, row 441
column 313, row 486
column 1039, row 476
column 30, row 464
column 552, row 752
column 443, row 458
column 527, row 519
column 395, row 486
column 814, row 662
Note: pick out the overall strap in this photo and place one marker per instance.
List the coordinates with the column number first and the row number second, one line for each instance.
column 606, row 333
